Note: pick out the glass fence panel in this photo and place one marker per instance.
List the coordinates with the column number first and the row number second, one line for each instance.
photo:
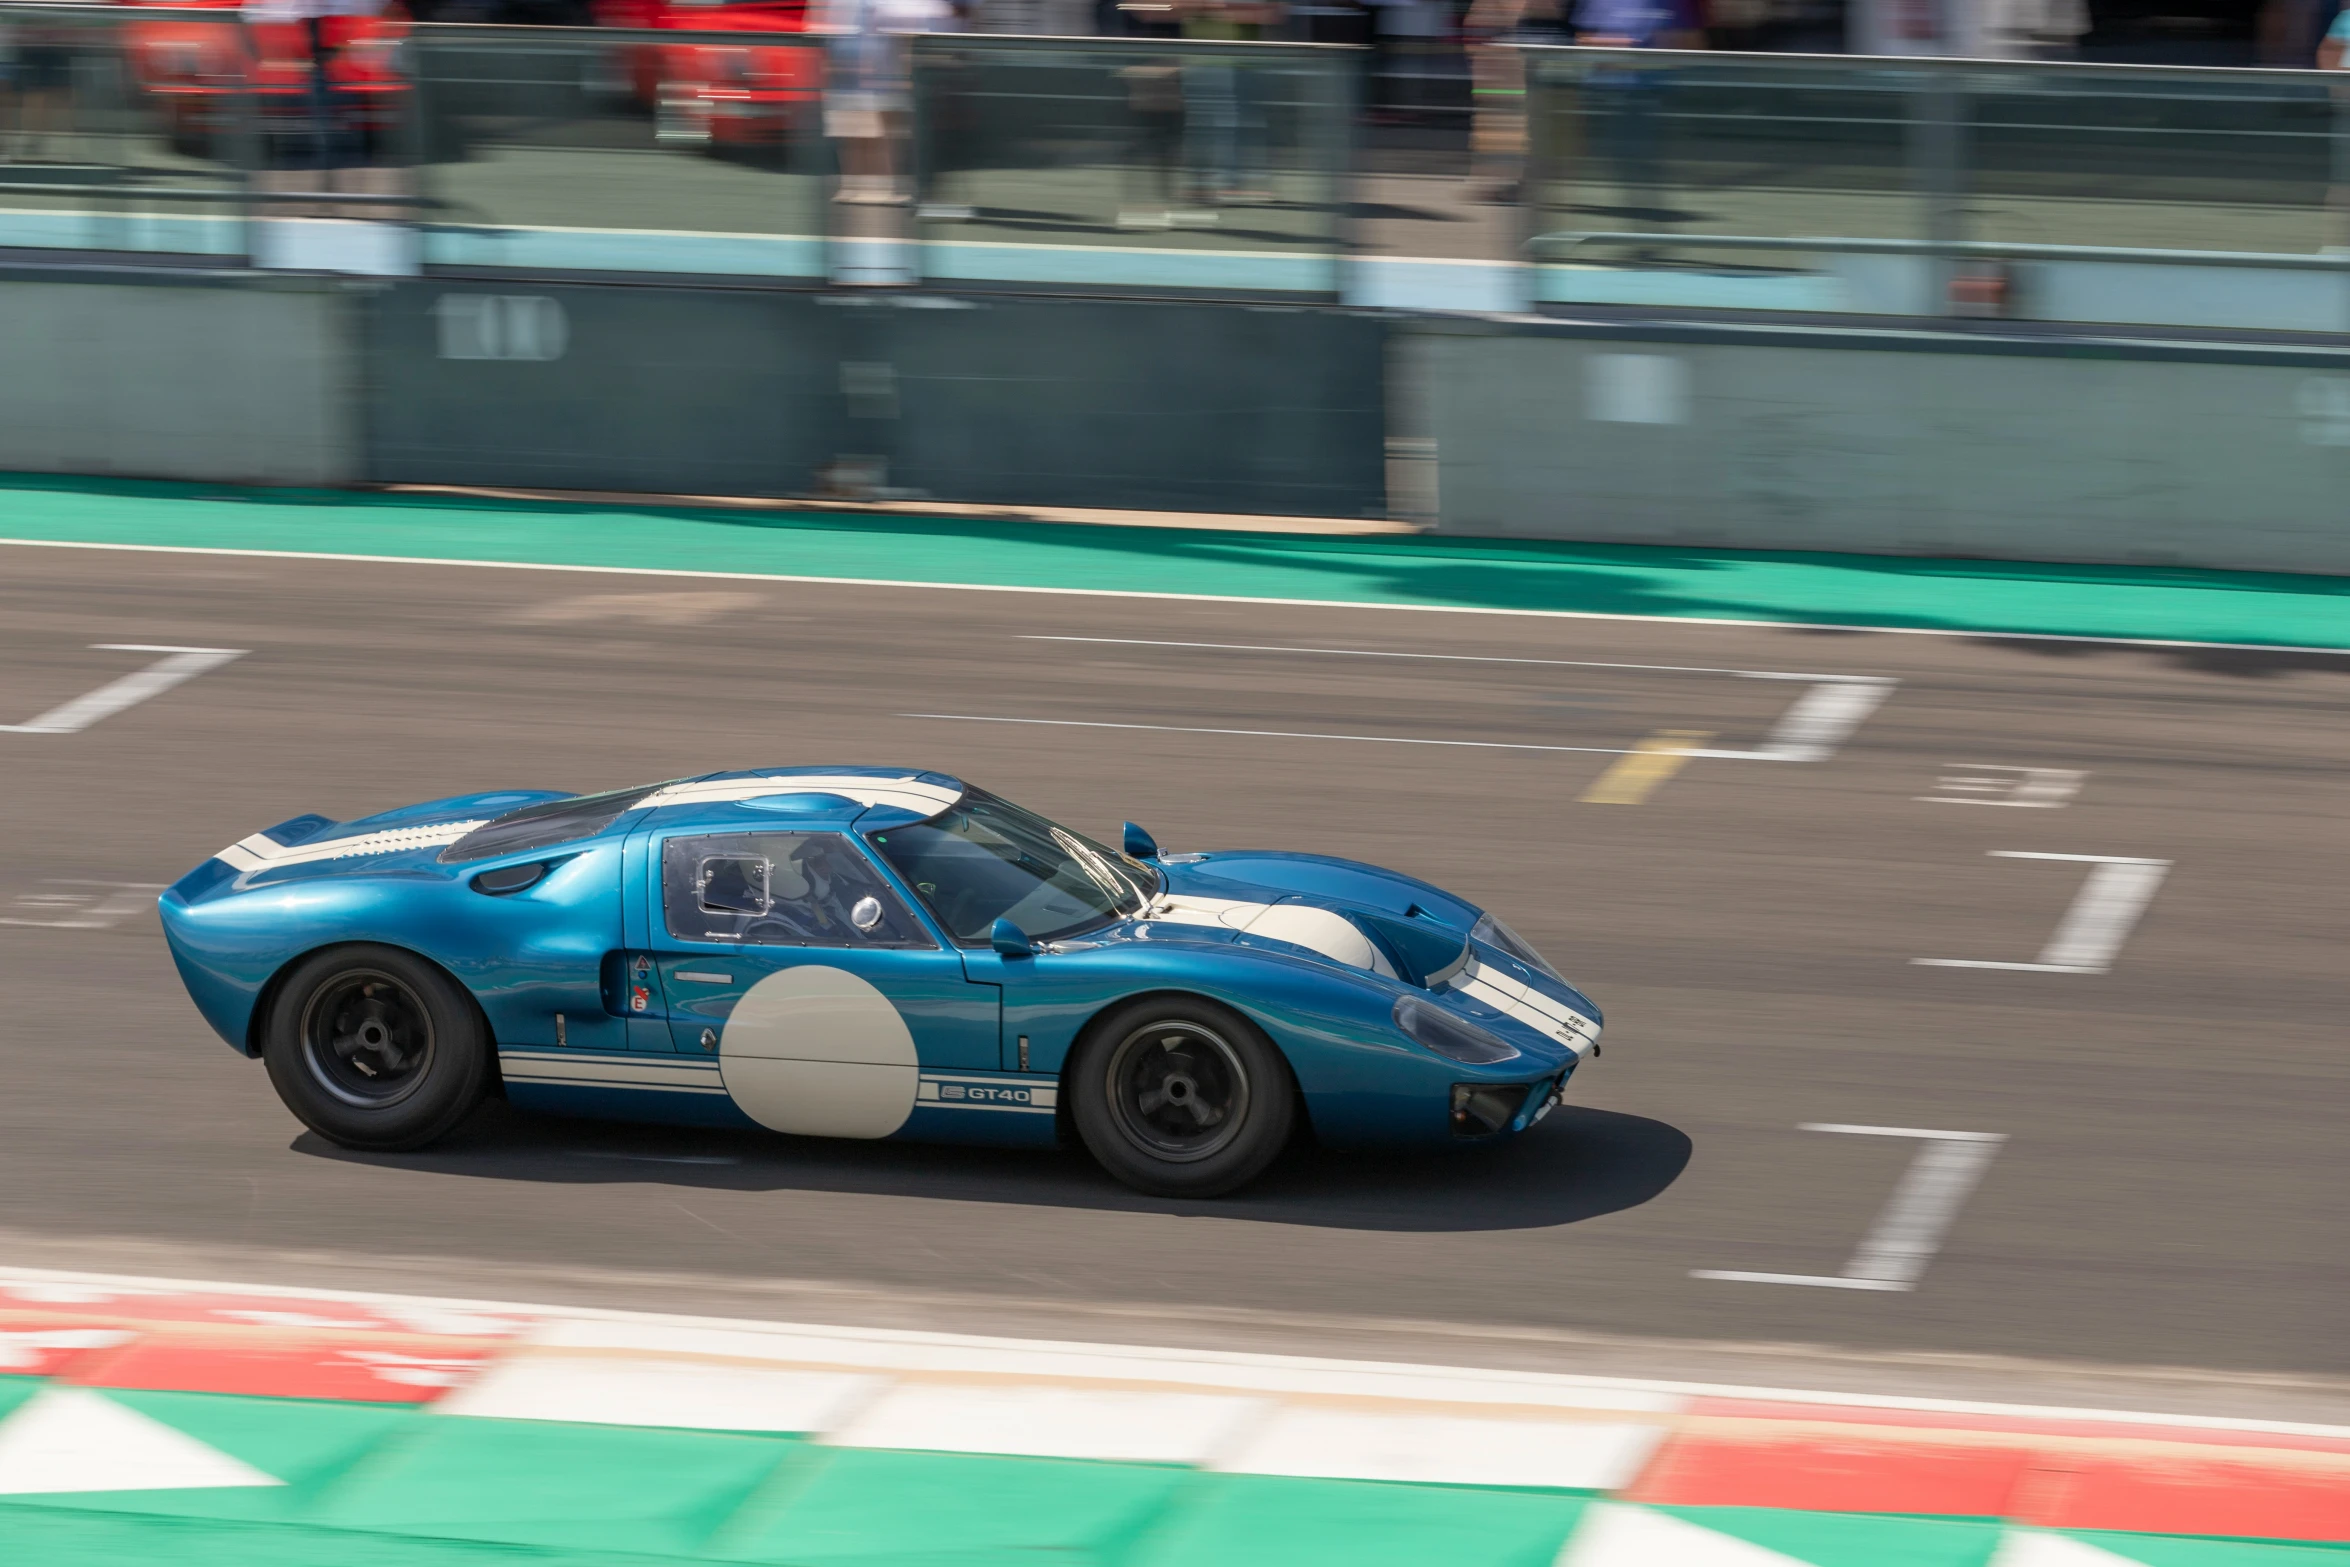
column 119, row 130
column 2150, row 161
column 565, row 149
column 1644, row 167
column 2135, row 161
column 1132, row 164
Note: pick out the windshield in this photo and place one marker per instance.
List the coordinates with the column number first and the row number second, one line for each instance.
column 1495, row 934
column 987, row 859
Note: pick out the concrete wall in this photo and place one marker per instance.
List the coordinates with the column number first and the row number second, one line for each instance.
column 1151, row 405
column 1148, row 405
column 599, row 387
column 1900, row 443
column 313, row 381
column 241, row 382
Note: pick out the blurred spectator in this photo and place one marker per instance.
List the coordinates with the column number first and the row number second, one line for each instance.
column 1404, row 36
column 1222, row 116
column 328, row 137
column 1033, row 18
column 2332, row 46
column 1637, row 24
column 2033, row 29
column 1149, row 19
column 1624, row 101
column 1154, row 107
column 1497, row 101
column 40, row 72
column 1904, row 27
column 866, row 87
column 1736, row 24
column 2282, row 31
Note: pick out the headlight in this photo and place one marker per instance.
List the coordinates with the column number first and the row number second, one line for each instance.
column 1452, row 1037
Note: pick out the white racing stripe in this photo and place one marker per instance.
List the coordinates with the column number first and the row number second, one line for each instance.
column 1305, row 925
column 262, row 852
column 1529, row 1006
column 907, row 793
column 682, row 1076
column 1553, row 1019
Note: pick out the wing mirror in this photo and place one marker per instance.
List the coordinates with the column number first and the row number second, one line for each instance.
column 1141, row 845
column 1010, row 940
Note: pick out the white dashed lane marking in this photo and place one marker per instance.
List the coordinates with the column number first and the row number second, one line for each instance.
column 2092, row 931
column 179, row 664
column 1893, row 1255
column 1997, row 783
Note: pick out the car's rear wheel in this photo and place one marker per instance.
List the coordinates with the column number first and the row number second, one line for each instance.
column 1180, row 1097
column 375, row 1048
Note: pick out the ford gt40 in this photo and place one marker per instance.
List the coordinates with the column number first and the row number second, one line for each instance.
column 865, row 952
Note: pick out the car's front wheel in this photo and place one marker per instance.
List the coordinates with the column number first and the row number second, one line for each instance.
column 1180, row 1097
column 375, row 1048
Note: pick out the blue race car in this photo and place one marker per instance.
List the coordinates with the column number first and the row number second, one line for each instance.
column 865, row 952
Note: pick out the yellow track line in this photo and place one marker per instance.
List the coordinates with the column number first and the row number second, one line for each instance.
column 1640, row 770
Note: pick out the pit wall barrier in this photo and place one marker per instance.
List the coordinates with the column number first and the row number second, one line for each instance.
column 1122, row 404
column 1988, row 444
column 249, row 382
column 317, row 382
column 1991, row 446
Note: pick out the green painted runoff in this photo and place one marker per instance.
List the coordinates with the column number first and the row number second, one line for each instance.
column 2160, row 603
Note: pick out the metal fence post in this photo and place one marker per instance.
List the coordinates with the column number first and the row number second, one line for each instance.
column 2337, row 238
column 1937, row 160
column 1538, row 166
column 245, row 141
column 1345, row 160
column 421, row 135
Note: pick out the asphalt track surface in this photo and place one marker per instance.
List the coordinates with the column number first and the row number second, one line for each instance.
column 2169, row 1191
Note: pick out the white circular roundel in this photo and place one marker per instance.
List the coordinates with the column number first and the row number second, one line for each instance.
column 818, row 1052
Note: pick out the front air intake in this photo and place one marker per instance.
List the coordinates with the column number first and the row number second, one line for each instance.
column 1486, row 1109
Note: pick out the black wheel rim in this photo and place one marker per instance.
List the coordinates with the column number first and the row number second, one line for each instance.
column 367, row 1039
column 1178, row 1091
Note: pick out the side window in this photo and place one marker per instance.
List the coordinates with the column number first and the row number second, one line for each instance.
column 782, row 889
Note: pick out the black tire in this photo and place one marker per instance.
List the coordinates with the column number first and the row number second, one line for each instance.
column 375, row 1048
column 1179, row 1097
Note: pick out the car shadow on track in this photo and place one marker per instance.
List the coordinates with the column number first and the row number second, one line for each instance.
column 1579, row 1164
